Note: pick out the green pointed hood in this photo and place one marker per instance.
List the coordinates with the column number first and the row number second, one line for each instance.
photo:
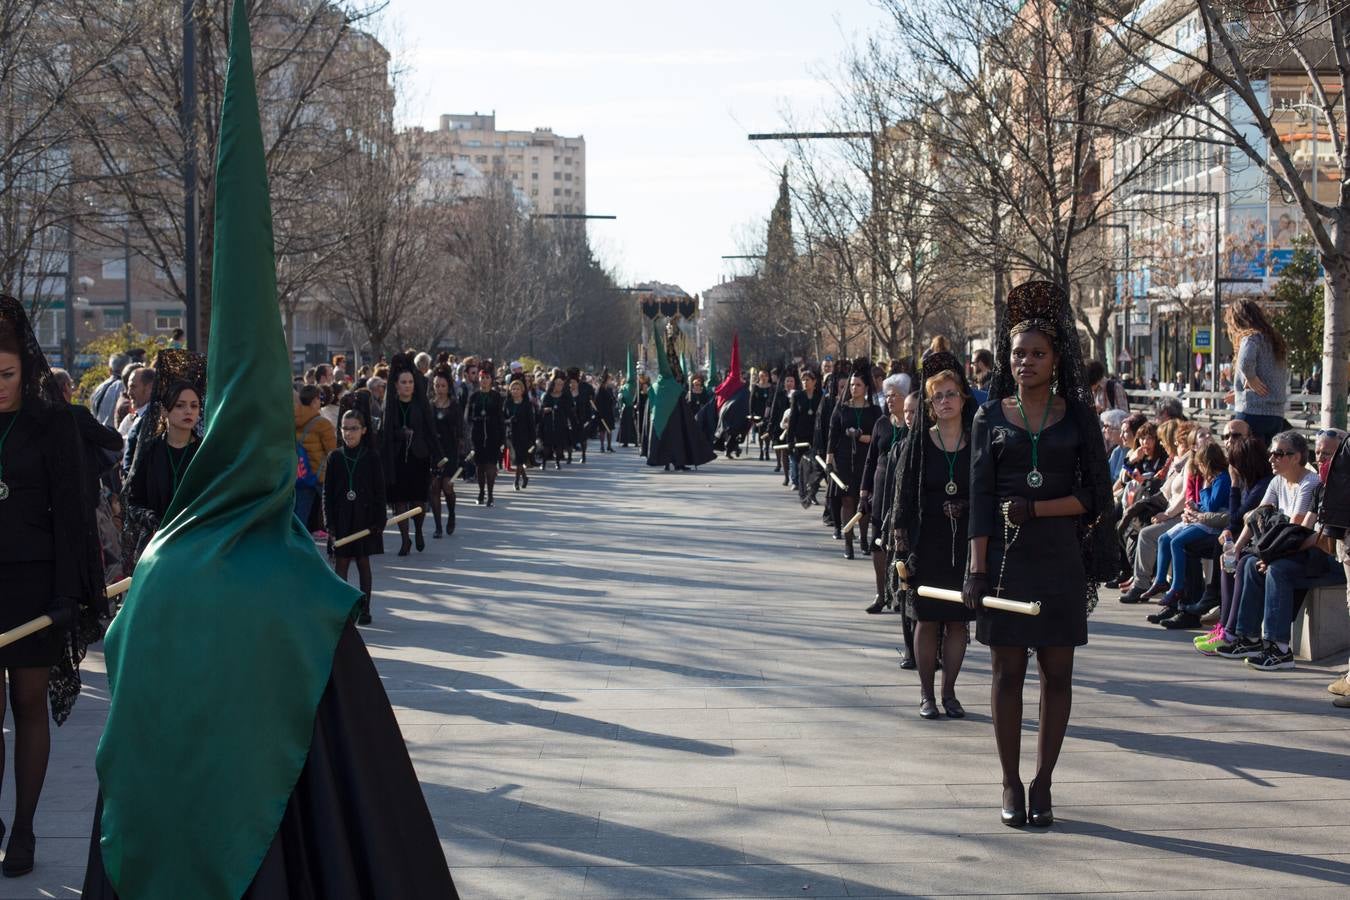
column 218, row 659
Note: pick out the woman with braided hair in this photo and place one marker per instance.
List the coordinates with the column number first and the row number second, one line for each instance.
column 932, row 522
column 1040, row 500
column 49, row 565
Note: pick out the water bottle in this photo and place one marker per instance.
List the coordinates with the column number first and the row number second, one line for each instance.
column 1229, row 557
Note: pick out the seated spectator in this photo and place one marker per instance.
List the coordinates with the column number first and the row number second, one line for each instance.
column 1201, row 521
column 1112, row 421
column 1265, row 602
column 1149, row 517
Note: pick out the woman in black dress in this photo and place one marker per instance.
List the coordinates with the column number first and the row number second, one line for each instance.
column 521, row 433
column 554, row 429
column 449, row 421
column 932, row 523
column 487, row 432
column 605, row 404
column 775, row 430
column 160, row 463
column 49, row 564
column 353, row 500
column 879, row 484
column 409, row 446
column 1040, row 500
column 761, row 394
column 803, row 419
column 850, row 433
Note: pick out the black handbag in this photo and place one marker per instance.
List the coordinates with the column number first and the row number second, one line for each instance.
column 1280, row 540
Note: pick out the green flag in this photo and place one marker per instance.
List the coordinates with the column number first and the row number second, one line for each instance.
column 218, row 659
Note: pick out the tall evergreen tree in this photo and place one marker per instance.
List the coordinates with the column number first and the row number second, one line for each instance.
column 780, row 253
column 1300, row 318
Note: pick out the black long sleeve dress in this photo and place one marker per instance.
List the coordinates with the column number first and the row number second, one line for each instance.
column 409, row 448
column 449, row 432
column 554, row 428
column 850, row 453
column 521, row 431
column 487, row 430
column 154, row 479
column 883, row 457
column 942, row 542
column 353, row 499
column 1044, row 561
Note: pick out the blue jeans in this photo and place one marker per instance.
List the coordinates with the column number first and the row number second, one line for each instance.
column 1266, row 426
column 794, row 470
column 1267, row 601
column 304, row 503
column 1172, row 549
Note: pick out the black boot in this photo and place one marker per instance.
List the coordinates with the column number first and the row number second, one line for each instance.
column 489, row 489
column 421, row 544
column 363, row 618
column 482, row 494
column 19, row 853
column 450, row 515
column 848, row 545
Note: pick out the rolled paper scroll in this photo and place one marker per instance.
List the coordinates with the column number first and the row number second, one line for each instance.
column 1015, row 606
column 902, row 570
column 834, row 476
column 852, row 523
column 118, row 588
column 365, row 532
column 802, row 444
column 22, row 631
column 444, row 460
column 782, row 446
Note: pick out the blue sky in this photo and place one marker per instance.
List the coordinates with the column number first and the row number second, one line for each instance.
column 664, row 94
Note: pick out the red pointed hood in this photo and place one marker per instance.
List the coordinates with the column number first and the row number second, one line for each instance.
column 732, row 384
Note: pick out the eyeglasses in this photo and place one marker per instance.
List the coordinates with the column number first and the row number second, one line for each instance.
column 1230, row 435
column 945, row 395
column 1280, row 454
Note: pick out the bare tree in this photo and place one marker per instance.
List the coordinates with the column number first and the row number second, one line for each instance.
column 1210, row 65
column 311, row 63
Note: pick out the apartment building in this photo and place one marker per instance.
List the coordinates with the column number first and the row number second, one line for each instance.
column 547, row 170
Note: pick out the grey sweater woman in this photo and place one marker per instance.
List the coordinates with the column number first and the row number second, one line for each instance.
column 1257, row 357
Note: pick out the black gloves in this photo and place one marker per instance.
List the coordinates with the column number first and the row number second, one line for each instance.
column 1019, row 510
column 974, row 589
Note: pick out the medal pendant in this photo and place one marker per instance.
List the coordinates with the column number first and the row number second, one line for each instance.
column 351, row 495
column 1034, row 478
column 4, row 491
column 951, row 489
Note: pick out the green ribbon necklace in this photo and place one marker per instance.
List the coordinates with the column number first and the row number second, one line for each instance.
column 176, row 463
column 951, row 461
column 350, row 465
column 4, row 488
column 1034, row 477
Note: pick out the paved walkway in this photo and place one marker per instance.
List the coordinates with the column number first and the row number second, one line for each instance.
column 664, row 686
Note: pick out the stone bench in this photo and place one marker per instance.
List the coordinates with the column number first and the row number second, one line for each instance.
column 1322, row 625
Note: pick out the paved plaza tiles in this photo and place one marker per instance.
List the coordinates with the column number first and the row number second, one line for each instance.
column 629, row 684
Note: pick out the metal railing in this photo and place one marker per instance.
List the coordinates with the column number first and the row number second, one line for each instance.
column 1302, row 410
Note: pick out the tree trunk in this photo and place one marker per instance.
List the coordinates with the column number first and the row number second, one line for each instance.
column 1336, row 330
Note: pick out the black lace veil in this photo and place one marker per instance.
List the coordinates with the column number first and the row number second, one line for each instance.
column 1043, row 306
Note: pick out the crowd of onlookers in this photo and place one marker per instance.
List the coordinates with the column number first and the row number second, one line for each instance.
column 1227, row 527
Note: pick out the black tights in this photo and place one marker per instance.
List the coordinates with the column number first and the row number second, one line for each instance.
column 953, row 636
column 402, row 506
column 1010, row 672
column 443, row 486
column 879, row 570
column 363, row 575
column 32, row 739
column 487, row 478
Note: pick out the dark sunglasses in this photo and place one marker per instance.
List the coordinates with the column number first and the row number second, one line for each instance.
column 1230, row 435
column 1280, row 454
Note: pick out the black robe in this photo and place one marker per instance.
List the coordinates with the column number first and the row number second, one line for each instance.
column 555, row 427
column 521, row 432
column 487, row 430
column 356, row 826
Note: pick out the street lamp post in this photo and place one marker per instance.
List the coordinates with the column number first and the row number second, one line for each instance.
column 1214, row 309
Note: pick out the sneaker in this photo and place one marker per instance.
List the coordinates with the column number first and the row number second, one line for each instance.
column 1214, row 632
column 1273, row 659
column 1240, row 648
column 1341, row 686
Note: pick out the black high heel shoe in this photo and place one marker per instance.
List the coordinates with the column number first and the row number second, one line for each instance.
column 1014, row 816
column 420, row 542
column 1041, row 818
column 405, row 548
column 19, row 854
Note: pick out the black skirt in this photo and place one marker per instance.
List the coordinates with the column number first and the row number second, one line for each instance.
column 412, row 479
column 941, row 550
column 28, row 589
column 356, row 826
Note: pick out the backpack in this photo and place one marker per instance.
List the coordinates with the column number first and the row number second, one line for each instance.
column 305, row 476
